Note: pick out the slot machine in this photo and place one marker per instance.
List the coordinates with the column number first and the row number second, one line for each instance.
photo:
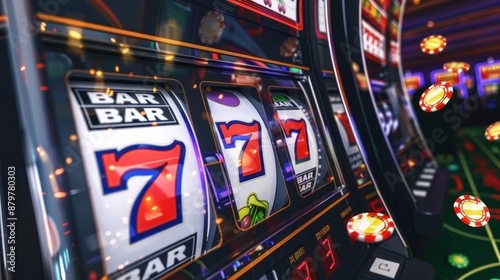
column 414, row 82
column 488, row 84
column 456, row 79
column 174, row 140
column 398, row 153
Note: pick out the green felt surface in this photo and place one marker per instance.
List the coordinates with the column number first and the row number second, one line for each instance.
column 477, row 166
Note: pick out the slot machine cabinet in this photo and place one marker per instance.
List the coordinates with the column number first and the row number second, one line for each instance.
column 173, row 140
column 410, row 172
column 329, row 91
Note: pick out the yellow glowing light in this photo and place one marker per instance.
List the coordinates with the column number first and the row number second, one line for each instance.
column 40, row 151
column 73, row 137
column 143, row 113
column 154, row 124
column 221, row 96
column 169, row 57
column 69, row 160
column 155, row 77
column 42, row 26
column 125, row 50
column 91, row 71
column 117, row 68
column 75, row 34
column 148, row 198
column 23, row 68
column 112, row 40
column 59, row 171
column 154, row 208
column 60, row 194
column 169, row 176
column 218, row 221
column 111, row 167
column 98, row 73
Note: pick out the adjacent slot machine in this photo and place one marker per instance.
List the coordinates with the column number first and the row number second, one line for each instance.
column 175, row 140
column 456, row 79
column 488, row 84
column 399, row 151
column 414, row 82
column 329, row 93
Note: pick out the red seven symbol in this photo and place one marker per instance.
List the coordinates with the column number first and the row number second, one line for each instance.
column 158, row 205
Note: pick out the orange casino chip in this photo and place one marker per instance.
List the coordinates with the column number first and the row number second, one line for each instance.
column 493, row 131
column 436, row 97
column 456, row 67
column 433, row 44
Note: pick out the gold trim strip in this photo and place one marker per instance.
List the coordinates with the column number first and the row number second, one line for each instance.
column 83, row 24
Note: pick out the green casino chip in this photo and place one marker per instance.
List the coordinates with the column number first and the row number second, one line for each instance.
column 458, row 260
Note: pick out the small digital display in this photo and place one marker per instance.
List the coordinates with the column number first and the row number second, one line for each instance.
column 305, row 270
column 326, row 255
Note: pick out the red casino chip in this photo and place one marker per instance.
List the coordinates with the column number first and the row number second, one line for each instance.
column 370, row 227
column 456, row 67
column 471, row 211
column 433, row 44
column 289, row 47
column 211, row 27
column 436, row 97
column 493, row 131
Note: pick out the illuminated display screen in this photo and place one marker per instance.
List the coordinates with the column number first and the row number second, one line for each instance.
column 356, row 161
column 455, row 79
column 373, row 43
column 148, row 192
column 303, row 144
column 243, row 134
column 320, row 19
column 284, row 11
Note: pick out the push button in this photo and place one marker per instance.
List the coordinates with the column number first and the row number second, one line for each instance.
column 384, row 267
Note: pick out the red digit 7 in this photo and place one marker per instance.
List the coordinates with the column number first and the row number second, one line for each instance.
column 301, row 143
column 347, row 127
column 304, row 264
column 158, row 205
column 250, row 161
column 329, row 253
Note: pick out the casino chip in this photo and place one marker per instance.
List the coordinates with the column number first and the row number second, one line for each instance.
column 471, row 211
column 370, row 227
column 433, row 44
column 493, row 131
column 436, row 97
column 456, row 67
column 211, row 27
column 459, row 261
